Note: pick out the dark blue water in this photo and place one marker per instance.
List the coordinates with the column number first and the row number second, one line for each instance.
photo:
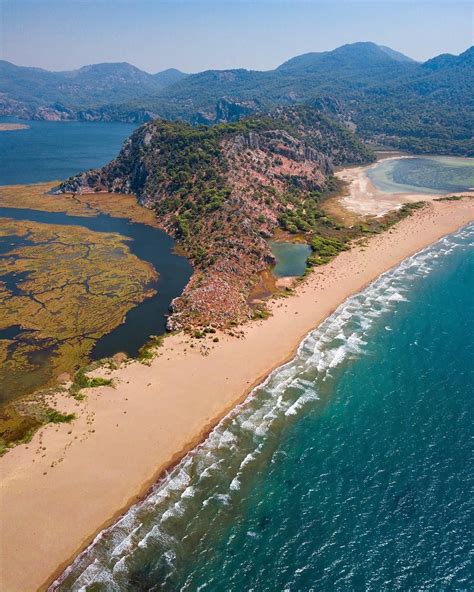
column 350, row 469
column 149, row 244
column 10, row 332
column 51, row 150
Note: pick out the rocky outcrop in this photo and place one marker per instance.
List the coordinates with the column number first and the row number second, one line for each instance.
column 227, row 110
column 222, row 191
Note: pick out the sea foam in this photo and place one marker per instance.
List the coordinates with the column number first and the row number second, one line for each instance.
column 209, row 478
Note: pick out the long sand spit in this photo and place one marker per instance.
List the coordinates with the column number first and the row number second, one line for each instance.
column 70, row 481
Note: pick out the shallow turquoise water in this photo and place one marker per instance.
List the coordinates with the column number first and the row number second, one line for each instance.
column 51, row 150
column 290, row 258
column 424, row 174
column 350, row 469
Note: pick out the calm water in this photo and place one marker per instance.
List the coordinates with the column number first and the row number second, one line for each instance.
column 434, row 174
column 51, row 150
column 350, row 469
column 149, row 244
column 55, row 150
column 290, row 258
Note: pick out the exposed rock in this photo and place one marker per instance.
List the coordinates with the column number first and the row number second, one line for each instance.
column 222, row 191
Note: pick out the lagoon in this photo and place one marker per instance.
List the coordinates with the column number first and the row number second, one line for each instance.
column 55, row 150
column 423, row 174
column 290, row 258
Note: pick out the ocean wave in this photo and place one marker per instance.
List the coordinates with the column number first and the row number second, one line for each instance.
column 208, row 478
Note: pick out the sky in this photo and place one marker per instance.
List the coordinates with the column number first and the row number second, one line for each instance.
column 196, row 35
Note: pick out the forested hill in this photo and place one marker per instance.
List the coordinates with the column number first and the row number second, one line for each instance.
column 389, row 98
column 223, row 190
column 38, row 93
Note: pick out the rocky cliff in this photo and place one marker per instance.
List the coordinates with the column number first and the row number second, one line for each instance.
column 222, row 191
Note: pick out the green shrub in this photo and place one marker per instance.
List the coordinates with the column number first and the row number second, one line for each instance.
column 147, row 351
column 324, row 249
column 55, row 416
column 81, row 381
column 449, row 198
column 260, row 312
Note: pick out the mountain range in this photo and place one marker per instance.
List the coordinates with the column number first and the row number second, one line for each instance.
column 386, row 96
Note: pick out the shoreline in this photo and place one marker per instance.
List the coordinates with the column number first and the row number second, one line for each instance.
column 13, row 127
column 125, row 438
column 363, row 198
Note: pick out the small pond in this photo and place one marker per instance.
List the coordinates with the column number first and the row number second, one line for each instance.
column 290, row 258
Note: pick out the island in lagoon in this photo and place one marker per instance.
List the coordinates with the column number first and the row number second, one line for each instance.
column 11, row 127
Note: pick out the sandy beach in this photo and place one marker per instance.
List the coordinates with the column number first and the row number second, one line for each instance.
column 364, row 199
column 11, row 127
column 72, row 480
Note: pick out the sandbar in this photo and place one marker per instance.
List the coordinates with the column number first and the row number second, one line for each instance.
column 11, row 127
column 72, row 480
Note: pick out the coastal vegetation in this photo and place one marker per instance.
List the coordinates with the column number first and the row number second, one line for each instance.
column 450, row 198
column 19, row 423
column 324, row 249
column 148, row 351
column 83, row 381
column 61, row 289
column 222, row 191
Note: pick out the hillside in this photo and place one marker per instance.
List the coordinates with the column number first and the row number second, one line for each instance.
column 37, row 93
column 222, row 191
column 389, row 98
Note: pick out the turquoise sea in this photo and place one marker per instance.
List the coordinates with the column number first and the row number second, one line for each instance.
column 349, row 469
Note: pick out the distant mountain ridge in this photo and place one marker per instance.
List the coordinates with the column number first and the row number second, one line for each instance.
column 88, row 87
column 383, row 94
column 352, row 55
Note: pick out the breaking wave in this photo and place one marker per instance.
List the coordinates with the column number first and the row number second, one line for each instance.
column 155, row 535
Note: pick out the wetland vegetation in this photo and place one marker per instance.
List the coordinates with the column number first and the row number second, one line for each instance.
column 72, row 270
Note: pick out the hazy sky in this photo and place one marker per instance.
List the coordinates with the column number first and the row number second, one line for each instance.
column 195, row 35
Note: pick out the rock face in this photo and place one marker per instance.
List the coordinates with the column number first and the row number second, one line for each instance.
column 222, row 191
column 227, row 110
